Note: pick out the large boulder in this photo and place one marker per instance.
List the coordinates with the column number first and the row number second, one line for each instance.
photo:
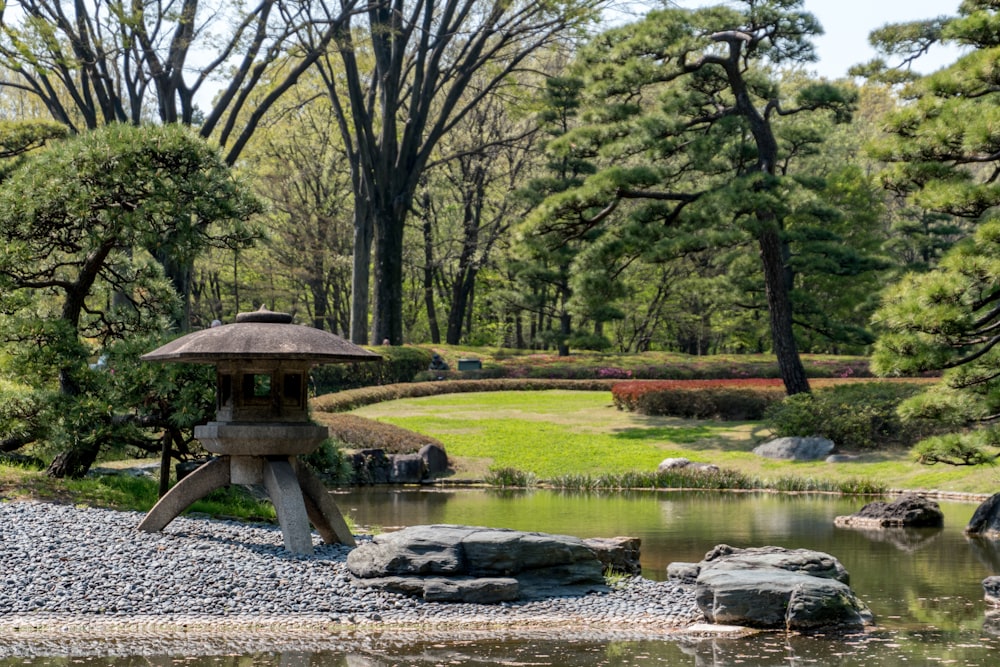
column 985, row 520
column 435, row 459
column 795, row 449
column 909, row 511
column 444, row 562
column 773, row 587
column 681, row 463
column 407, row 469
column 617, row 554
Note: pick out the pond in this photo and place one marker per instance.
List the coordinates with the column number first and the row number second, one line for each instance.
column 923, row 585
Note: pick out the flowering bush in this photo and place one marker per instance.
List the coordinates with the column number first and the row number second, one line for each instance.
column 733, row 400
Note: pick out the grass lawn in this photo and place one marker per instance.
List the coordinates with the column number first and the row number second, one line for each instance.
column 553, row 433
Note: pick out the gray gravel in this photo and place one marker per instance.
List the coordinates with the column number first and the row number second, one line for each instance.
column 69, row 569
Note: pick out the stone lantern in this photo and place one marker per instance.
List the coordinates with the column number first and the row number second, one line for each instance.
column 261, row 421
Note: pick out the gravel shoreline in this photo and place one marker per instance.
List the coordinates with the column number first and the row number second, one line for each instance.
column 70, row 570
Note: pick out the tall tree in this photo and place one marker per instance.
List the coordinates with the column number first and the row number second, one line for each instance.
column 945, row 155
column 432, row 62
column 690, row 116
column 468, row 205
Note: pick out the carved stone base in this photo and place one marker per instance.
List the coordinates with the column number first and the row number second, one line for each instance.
column 298, row 496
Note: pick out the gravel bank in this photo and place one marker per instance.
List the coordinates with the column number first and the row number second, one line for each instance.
column 73, row 570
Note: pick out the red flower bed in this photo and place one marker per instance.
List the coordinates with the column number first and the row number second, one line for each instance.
column 734, row 400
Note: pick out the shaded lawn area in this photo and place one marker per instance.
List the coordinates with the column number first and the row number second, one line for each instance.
column 553, row 433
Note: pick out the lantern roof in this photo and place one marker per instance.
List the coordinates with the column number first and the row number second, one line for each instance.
column 260, row 335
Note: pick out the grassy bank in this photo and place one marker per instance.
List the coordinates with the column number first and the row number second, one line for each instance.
column 557, row 433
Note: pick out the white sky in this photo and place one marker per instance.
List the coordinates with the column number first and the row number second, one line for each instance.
column 846, row 24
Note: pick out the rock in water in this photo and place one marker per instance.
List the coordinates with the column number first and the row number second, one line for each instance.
column 908, row 511
column 773, row 587
column 985, row 520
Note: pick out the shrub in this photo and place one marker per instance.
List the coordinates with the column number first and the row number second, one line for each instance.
column 854, row 416
column 954, row 449
column 510, row 477
column 356, row 432
column 735, row 400
column 329, row 461
column 399, row 363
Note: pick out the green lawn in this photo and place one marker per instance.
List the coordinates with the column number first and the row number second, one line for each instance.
column 552, row 433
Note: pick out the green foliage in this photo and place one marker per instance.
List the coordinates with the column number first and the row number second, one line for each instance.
column 510, row 478
column 83, row 224
column 356, row 398
column 329, row 461
column 399, row 363
column 966, row 449
column 946, row 319
column 728, row 480
column 854, row 416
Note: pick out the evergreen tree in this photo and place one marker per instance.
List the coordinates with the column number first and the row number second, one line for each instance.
column 687, row 120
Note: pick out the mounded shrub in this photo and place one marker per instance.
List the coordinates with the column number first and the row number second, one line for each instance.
column 732, row 400
column 354, row 432
column 854, row 416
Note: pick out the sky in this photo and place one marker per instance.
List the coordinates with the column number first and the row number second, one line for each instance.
column 846, row 24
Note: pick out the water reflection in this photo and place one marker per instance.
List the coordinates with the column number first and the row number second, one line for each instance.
column 923, row 585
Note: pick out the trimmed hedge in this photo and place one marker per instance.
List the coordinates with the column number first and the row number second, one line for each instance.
column 728, row 400
column 345, row 401
column 354, row 432
column 400, row 363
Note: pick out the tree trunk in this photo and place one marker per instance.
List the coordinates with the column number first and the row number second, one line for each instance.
column 387, row 307
column 432, row 320
column 360, row 273
column 779, row 308
column 75, row 461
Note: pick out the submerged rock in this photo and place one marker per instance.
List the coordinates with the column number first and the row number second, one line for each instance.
column 773, row 587
column 908, row 511
column 450, row 563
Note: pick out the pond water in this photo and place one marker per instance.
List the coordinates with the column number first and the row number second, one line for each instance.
column 924, row 586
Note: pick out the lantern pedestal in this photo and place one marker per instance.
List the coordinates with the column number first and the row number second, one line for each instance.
column 298, row 496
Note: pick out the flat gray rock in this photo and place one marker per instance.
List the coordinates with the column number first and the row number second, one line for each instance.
column 465, row 562
column 772, row 587
column 795, row 449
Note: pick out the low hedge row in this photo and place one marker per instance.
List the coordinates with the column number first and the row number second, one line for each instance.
column 345, row 401
column 354, row 432
column 729, row 400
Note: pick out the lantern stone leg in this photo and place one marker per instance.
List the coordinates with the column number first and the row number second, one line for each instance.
column 297, row 494
column 199, row 483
